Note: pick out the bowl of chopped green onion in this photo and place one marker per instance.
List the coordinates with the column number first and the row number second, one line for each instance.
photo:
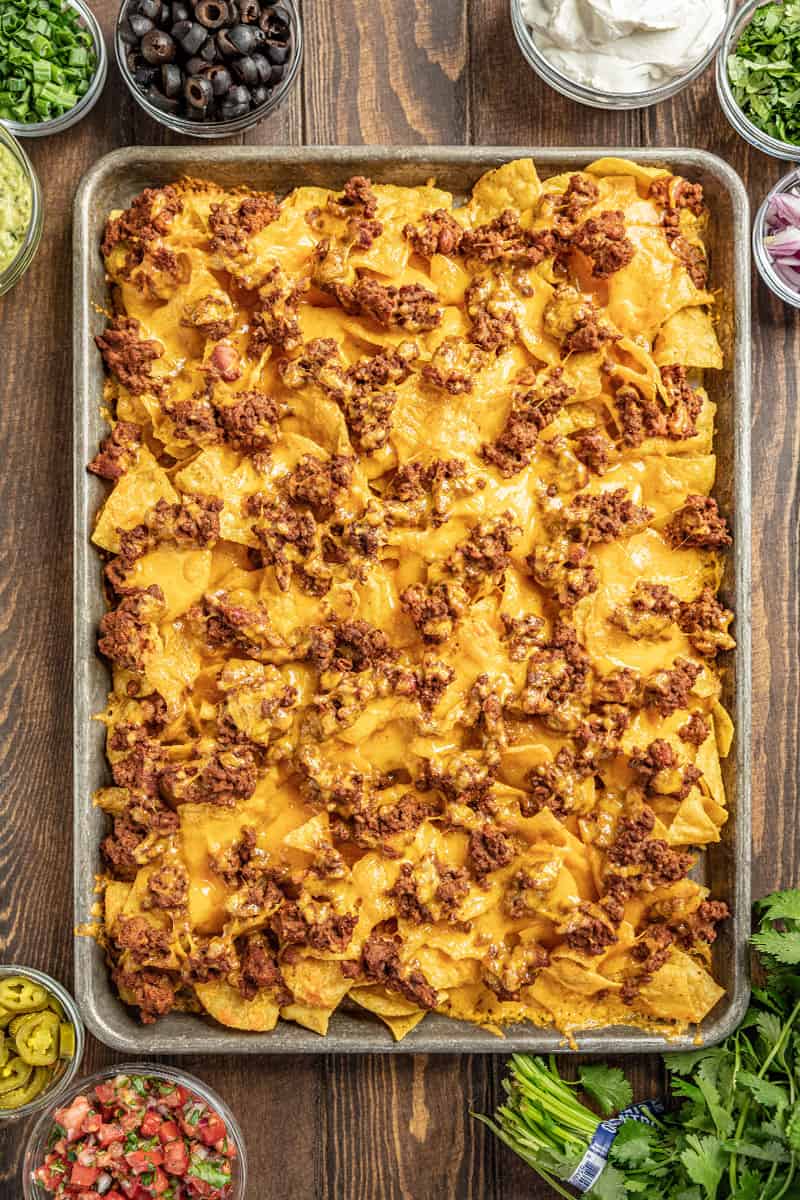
column 53, row 65
column 758, row 76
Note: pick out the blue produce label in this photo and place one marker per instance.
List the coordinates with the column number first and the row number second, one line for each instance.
column 590, row 1168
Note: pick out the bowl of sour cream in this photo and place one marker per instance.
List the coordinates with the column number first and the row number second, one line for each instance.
column 619, row 53
column 21, row 212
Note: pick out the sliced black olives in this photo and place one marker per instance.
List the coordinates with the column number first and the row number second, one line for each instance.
column 158, row 47
column 207, row 60
column 171, row 80
column 141, row 25
column 246, row 70
column 198, row 91
column 212, row 13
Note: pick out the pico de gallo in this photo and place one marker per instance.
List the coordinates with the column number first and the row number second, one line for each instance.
column 134, row 1137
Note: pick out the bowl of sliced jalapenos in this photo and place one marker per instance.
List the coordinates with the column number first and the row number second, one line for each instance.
column 41, row 1041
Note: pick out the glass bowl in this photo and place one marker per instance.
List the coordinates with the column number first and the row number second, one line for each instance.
column 53, row 1095
column 742, row 124
column 215, row 129
column 27, row 251
column 766, row 270
column 87, row 101
column 592, row 96
column 36, row 1148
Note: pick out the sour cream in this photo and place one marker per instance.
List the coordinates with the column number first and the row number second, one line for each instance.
column 623, row 46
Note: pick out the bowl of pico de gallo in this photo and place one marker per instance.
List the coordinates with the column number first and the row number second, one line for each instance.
column 134, row 1132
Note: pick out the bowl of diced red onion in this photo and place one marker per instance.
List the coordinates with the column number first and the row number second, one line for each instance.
column 776, row 239
column 136, row 1132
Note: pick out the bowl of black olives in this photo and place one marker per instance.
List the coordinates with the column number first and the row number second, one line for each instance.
column 209, row 68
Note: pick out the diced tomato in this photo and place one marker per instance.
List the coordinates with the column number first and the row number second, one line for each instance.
column 211, row 1130
column 151, row 1123
column 160, row 1184
column 89, row 1196
column 168, row 1132
column 49, row 1179
column 92, row 1122
column 140, row 1161
column 72, row 1118
column 106, row 1095
column 114, row 1195
column 176, row 1158
column 107, row 1134
column 176, row 1098
column 82, row 1176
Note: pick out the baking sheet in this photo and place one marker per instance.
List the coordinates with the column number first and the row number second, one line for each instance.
column 112, row 183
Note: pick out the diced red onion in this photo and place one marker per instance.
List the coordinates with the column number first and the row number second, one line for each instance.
column 782, row 242
column 103, row 1183
column 784, row 209
column 789, row 275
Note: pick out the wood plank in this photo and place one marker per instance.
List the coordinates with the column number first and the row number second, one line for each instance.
column 385, row 72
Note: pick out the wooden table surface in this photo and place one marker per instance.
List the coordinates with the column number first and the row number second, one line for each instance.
column 376, row 71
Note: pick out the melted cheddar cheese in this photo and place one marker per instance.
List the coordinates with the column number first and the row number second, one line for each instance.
column 412, row 568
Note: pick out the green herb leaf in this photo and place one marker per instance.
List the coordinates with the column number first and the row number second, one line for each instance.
column 210, row 1172
column 704, row 1160
column 793, row 1129
column 784, row 947
column 633, row 1145
column 770, row 1094
column 607, row 1086
column 780, row 906
column 610, row 1186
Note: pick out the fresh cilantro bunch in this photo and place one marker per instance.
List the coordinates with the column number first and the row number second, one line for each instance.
column 736, row 1133
column 543, row 1121
column 764, row 70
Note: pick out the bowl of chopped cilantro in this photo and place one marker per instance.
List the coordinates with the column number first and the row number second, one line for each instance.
column 758, row 76
column 53, row 65
column 138, row 1131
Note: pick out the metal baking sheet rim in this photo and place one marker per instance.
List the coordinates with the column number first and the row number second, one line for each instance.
column 102, row 1011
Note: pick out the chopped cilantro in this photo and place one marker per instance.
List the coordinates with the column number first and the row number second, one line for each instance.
column 139, row 1084
column 764, row 71
column 210, row 1172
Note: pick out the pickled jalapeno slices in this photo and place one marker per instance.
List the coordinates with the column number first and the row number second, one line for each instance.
column 133, row 1137
column 34, row 1039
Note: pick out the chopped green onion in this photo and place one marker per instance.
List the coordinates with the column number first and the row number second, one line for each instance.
column 47, row 60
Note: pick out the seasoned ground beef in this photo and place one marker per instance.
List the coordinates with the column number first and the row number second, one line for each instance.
column 705, row 622
column 118, row 452
column 380, row 963
column 489, row 849
column 437, row 233
column 148, row 219
column 129, row 356
column 250, row 423
column 153, row 992
column 231, row 228
column 411, row 307
column 695, row 731
column 589, row 932
column 536, row 401
column 602, row 239
column 667, row 691
column 259, row 970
